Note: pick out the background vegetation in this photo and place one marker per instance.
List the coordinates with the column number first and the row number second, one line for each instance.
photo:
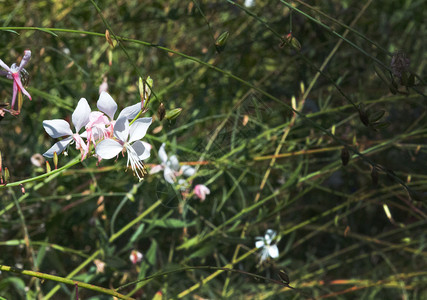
column 346, row 232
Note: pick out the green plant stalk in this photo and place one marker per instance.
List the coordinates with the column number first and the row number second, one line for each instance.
column 65, row 281
column 96, row 253
column 213, row 275
column 73, row 162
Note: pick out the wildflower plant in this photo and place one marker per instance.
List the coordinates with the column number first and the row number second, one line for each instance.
column 281, row 107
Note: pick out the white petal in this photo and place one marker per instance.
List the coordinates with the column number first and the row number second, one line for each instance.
column 270, row 234
column 162, row 154
column 141, row 150
column 4, row 66
column 273, row 251
column 156, row 169
column 108, row 149
column 139, row 128
column 169, row 175
column 57, row 128
column 107, row 105
column 81, row 114
column 130, row 112
column 58, row 147
column 173, row 162
column 259, row 244
column 121, row 129
column 25, row 59
column 188, row 171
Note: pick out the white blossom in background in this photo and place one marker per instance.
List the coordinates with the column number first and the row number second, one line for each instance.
column 249, row 3
column 14, row 73
column 135, row 256
column 264, row 243
column 170, row 167
column 201, row 191
column 60, row 128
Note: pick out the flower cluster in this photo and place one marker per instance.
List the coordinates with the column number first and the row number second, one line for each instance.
column 16, row 73
column 107, row 135
column 172, row 171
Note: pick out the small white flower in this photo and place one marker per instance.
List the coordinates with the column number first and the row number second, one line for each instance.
column 135, row 256
column 170, row 167
column 265, row 243
column 60, row 128
column 249, row 3
column 127, row 138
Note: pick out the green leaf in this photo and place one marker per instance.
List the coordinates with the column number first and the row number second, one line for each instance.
column 47, row 31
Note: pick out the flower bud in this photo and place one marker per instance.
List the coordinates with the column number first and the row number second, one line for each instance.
column 363, row 115
column 173, row 114
column 161, row 111
column 283, row 276
column 108, row 38
column 221, row 41
column 376, row 115
column 55, row 160
column 6, row 175
column 48, row 169
column 345, row 156
column 22, row 189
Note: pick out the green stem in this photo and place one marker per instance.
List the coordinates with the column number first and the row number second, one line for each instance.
column 64, row 280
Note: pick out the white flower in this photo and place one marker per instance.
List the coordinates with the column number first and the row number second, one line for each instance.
column 249, row 3
column 201, row 191
column 60, row 128
column 127, row 138
column 170, row 167
column 135, row 256
column 265, row 243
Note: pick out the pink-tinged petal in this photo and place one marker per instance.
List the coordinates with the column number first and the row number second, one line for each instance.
column 107, row 105
column 121, row 129
column 162, row 154
column 81, row 114
column 141, row 150
column 4, row 66
column 169, row 175
column 15, row 92
column 273, row 251
column 57, row 128
column 108, row 149
column 58, row 147
column 156, row 169
column 25, row 59
column 201, row 191
column 17, row 81
column 130, row 112
column 259, row 244
column 139, row 128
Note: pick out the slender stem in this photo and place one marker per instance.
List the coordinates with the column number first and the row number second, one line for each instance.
column 64, row 280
